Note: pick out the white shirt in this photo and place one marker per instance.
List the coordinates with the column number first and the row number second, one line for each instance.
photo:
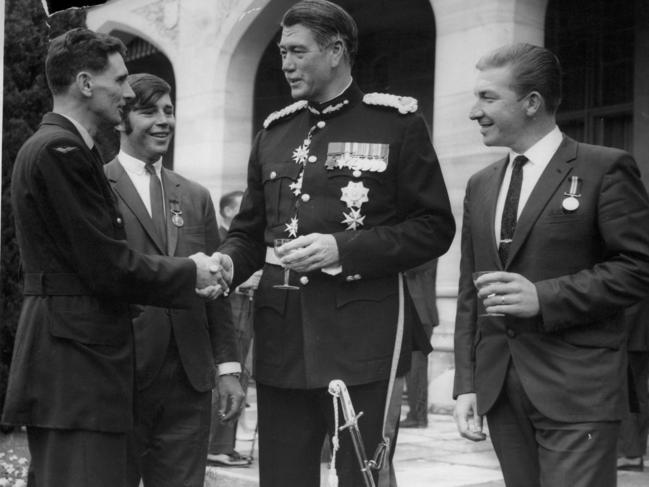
column 538, row 156
column 140, row 177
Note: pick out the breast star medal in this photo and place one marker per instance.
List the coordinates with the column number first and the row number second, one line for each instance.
column 354, row 195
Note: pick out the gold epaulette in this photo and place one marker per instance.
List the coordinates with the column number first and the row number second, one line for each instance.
column 279, row 114
column 405, row 104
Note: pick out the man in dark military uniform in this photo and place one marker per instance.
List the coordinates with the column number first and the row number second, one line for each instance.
column 354, row 181
column 71, row 378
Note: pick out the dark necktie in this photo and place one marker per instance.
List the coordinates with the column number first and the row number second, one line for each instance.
column 157, row 204
column 510, row 211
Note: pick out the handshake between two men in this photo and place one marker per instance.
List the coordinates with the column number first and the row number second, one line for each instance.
column 304, row 254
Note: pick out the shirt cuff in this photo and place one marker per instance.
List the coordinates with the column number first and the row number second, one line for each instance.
column 229, row 368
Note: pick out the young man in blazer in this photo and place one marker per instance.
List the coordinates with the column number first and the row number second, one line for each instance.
column 179, row 353
column 540, row 341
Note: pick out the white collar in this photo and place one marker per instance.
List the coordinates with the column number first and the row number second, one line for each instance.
column 541, row 152
column 136, row 166
column 85, row 135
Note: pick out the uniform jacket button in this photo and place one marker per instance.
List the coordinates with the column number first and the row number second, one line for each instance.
column 357, row 277
column 306, row 197
column 313, row 158
column 273, row 174
column 304, row 280
column 349, row 278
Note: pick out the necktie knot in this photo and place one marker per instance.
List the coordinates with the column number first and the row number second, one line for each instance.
column 519, row 162
column 150, row 168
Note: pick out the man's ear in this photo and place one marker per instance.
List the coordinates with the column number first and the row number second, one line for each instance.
column 83, row 81
column 533, row 103
column 337, row 51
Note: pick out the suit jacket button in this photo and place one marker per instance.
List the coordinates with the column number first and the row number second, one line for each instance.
column 511, row 333
column 304, row 280
column 119, row 221
column 349, row 278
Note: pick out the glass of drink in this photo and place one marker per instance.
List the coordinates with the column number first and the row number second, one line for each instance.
column 475, row 277
column 278, row 242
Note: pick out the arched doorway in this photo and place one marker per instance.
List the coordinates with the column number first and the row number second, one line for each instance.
column 396, row 55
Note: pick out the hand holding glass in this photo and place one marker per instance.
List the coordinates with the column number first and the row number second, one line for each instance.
column 475, row 277
column 285, row 285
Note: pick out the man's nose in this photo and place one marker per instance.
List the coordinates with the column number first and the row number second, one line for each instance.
column 475, row 112
column 287, row 63
column 128, row 93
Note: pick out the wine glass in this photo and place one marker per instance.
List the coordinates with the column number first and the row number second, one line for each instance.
column 475, row 277
column 285, row 285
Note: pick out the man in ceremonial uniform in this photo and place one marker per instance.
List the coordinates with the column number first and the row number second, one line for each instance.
column 178, row 353
column 561, row 229
column 354, row 181
column 71, row 378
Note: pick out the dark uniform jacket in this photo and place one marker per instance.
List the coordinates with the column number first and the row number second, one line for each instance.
column 73, row 356
column 588, row 265
column 204, row 334
column 341, row 326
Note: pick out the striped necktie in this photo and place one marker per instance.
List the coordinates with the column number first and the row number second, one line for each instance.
column 510, row 211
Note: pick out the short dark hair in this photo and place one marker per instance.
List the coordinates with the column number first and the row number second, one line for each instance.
column 77, row 50
column 534, row 68
column 326, row 20
column 148, row 89
column 228, row 199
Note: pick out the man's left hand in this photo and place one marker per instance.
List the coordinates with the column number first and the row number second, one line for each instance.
column 509, row 293
column 310, row 252
column 231, row 397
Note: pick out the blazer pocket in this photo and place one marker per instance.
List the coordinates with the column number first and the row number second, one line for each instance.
column 277, row 178
column 88, row 326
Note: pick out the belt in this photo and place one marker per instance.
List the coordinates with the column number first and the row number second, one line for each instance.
column 271, row 258
column 54, row 284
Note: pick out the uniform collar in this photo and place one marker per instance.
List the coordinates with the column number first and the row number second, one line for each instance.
column 85, row 135
column 341, row 103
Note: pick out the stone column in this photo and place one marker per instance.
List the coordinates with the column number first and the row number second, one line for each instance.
column 466, row 29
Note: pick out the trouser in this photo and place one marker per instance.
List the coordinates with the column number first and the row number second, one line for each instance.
column 536, row 451
column 168, row 447
column 293, row 424
column 635, row 425
column 417, row 384
column 75, row 458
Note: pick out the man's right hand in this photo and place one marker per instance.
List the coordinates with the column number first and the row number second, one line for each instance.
column 468, row 423
column 212, row 279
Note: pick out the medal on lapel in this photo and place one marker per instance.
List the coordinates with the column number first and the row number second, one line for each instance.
column 570, row 202
column 176, row 213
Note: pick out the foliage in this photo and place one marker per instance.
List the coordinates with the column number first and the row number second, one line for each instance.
column 26, row 99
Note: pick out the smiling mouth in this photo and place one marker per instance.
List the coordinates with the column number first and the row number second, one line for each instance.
column 159, row 135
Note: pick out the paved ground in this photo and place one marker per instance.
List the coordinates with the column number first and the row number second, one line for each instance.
column 432, row 457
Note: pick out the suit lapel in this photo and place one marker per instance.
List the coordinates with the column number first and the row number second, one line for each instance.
column 557, row 170
column 126, row 191
column 486, row 204
column 172, row 192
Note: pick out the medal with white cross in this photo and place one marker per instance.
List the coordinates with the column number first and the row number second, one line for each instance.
column 354, row 195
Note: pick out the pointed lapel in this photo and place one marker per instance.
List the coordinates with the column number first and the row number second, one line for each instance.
column 123, row 186
column 487, row 200
column 557, row 170
column 172, row 190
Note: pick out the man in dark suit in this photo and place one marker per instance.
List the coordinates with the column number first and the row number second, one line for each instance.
column 178, row 353
column 540, row 347
column 71, row 378
column 353, row 179
column 421, row 282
